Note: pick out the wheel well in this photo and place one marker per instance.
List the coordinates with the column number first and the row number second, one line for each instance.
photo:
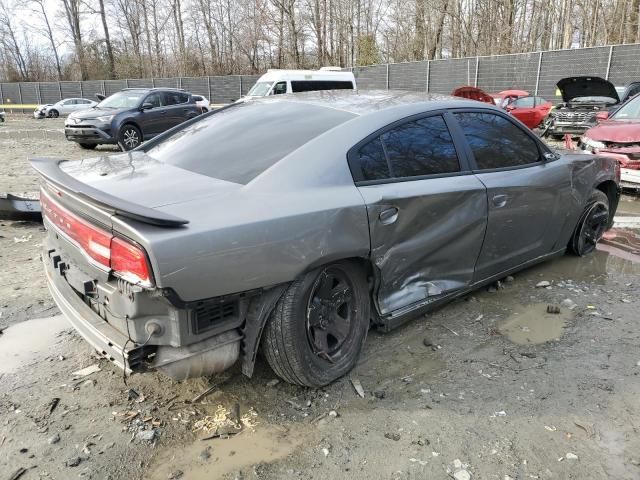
column 609, row 188
column 127, row 123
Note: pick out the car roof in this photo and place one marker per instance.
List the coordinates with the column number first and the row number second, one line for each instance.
column 149, row 89
column 364, row 102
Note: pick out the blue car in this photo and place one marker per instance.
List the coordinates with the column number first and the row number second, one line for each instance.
column 130, row 116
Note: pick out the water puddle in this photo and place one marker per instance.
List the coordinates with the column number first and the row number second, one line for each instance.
column 26, row 342
column 532, row 324
column 212, row 459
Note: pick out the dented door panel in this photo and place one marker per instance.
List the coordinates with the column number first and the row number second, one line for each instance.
column 431, row 246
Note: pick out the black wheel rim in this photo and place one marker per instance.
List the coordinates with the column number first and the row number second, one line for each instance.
column 130, row 138
column 593, row 227
column 330, row 313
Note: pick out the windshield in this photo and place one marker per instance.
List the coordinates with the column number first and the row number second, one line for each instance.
column 606, row 100
column 240, row 142
column 631, row 110
column 123, row 99
column 260, row 89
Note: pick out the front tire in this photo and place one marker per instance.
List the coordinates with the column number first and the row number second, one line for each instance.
column 318, row 327
column 591, row 226
column 129, row 137
column 54, row 113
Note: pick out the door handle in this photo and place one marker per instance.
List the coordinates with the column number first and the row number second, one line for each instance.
column 499, row 201
column 388, row 216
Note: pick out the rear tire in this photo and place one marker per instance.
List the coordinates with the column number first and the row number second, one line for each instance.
column 318, row 327
column 88, row 146
column 591, row 226
column 53, row 113
column 129, row 137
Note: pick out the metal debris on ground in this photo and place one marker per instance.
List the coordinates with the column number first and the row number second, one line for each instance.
column 223, row 421
column 87, row 371
column 357, row 386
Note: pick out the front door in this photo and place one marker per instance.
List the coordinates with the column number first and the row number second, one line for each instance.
column 526, row 192
column 427, row 212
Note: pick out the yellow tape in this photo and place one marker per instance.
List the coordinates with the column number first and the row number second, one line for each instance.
column 15, row 106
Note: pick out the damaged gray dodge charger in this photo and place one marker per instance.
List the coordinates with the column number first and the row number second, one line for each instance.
column 293, row 224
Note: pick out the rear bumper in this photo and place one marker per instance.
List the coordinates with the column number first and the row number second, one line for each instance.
column 88, row 135
column 109, row 342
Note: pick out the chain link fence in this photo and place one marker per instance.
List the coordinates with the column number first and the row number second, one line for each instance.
column 536, row 73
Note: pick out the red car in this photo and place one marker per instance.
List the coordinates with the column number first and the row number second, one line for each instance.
column 529, row 109
column 618, row 136
column 473, row 93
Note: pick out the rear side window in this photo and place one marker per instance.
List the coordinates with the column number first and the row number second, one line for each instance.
column 413, row 149
column 497, row 142
column 315, row 85
column 176, row 98
column 238, row 143
column 524, row 102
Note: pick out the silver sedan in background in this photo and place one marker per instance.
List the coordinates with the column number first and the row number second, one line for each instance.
column 67, row 106
column 295, row 223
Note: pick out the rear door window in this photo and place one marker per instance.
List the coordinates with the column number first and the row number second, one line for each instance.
column 176, row 98
column 412, row 149
column 497, row 142
column 280, row 88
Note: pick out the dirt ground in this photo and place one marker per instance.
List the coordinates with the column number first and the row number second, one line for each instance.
column 488, row 387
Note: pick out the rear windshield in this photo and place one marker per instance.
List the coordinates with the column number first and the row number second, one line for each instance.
column 239, row 143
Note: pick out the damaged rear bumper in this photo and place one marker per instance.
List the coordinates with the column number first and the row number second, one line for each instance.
column 109, row 342
column 212, row 355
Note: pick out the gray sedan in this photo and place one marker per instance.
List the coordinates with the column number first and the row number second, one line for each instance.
column 296, row 223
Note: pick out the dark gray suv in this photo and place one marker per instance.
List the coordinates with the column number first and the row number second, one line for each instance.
column 130, row 116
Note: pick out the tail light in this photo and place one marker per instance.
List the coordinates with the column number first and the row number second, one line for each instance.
column 108, row 252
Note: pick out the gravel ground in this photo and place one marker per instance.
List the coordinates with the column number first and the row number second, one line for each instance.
column 488, row 387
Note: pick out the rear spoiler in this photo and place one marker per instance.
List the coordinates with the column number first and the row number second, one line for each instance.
column 49, row 169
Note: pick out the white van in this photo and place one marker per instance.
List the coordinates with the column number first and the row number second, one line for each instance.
column 276, row 82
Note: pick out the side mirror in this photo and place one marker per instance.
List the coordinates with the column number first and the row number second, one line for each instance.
column 100, row 96
column 146, row 106
column 601, row 116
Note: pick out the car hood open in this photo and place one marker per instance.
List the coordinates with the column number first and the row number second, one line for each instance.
column 618, row 131
column 574, row 87
column 473, row 93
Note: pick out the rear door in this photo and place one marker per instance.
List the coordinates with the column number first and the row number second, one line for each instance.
column 526, row 192
column 178, row 108
column 524, row 110
column 427, row 212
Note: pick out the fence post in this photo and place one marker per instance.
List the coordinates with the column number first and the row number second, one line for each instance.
column 153, row 82
column 104, row 87
column 240, row 78
column 387, row 76
column 1, row 95
column 60, row 89
column 609, row 62
column 210, row 97
column 81, row 92
column 475, row 81
column 20, row 95
column 428, row 73
column 38, row 94
column 126, row 82
column 538, row 74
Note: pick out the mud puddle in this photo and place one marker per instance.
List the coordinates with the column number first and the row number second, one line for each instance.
column 212, row 459
column 532, row 324
column 629, row 205
column 26, row 342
